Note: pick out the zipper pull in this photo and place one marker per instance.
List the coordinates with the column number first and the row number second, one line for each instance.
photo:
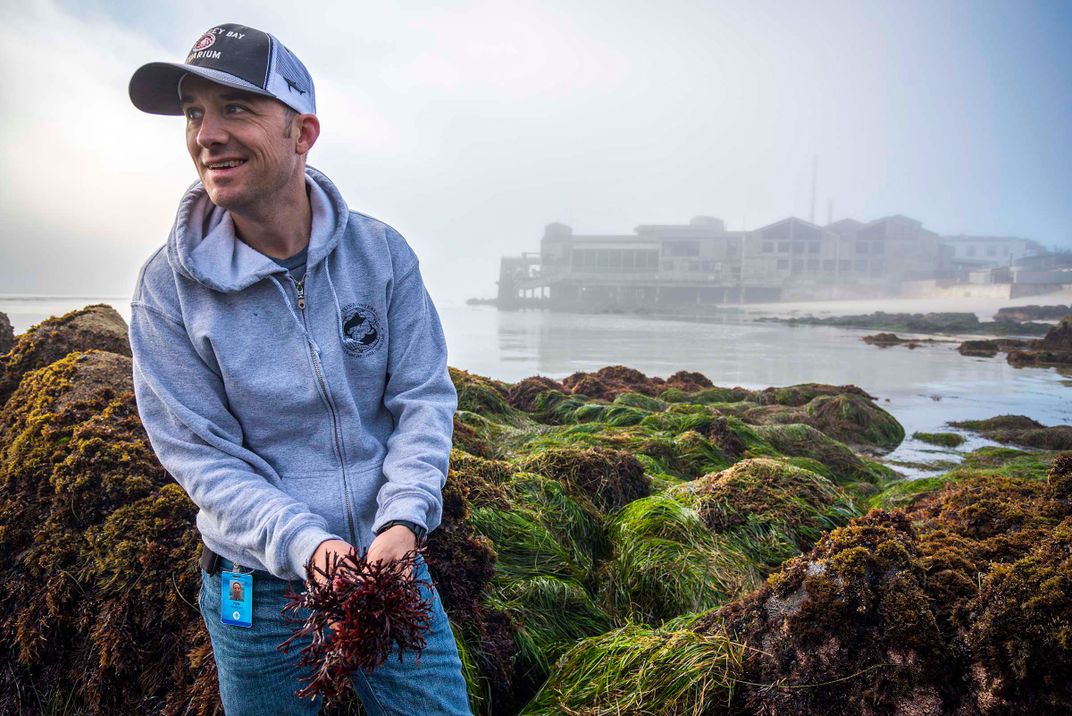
column 300, row 285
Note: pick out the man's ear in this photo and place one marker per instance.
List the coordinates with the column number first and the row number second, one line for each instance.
column 308, row 131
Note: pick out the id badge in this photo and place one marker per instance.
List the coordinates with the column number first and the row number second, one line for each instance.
column 236, row 599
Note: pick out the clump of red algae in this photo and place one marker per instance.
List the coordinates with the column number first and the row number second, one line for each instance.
column 358, row 612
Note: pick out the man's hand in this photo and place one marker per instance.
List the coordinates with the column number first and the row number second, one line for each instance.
column 323, row 553
column 391, row 544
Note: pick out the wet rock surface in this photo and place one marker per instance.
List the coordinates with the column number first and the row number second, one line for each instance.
column 921, row 323
column 94, row 327
column 1033, row 312
column 7, row 334
column 1055, row 348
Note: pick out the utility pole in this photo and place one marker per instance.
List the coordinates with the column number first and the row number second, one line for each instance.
column 814, row 183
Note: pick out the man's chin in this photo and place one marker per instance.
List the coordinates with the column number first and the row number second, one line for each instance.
column 224, row 199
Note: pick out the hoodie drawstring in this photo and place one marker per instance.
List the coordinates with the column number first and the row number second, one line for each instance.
column 338, row 308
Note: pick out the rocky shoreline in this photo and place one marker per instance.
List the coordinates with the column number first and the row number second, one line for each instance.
column 941, row 323
column 611, row 543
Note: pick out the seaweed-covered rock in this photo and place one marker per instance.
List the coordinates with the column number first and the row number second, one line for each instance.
column 689, row 381
column 1033, row 312
column 855, row 419
column 480, row 395
column 730, row 436
column 610, row 478
column 7, row 334
column 523, row 394
column 884, row 340
column 1055, row 348
column 467, row 439
column 989, row 348
column 920, row 323
column 462, row 564
column 949, row 440
column 773, row 510
column 1059, row 477
column 610, row 382
column 1058, row 338
column 85, row 509
column 94, row 327
column 804, row 393
column 666, row 562
column 607, row 383
column 1021, row 430
column 845, row 629
column 1020, row 638
column 805, row 441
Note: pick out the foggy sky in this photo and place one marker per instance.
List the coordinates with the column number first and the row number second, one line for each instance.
column 468, row 126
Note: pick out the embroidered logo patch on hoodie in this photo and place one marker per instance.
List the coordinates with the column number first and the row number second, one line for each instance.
column 361, row 329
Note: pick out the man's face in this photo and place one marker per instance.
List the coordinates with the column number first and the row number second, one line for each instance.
column 242, row 144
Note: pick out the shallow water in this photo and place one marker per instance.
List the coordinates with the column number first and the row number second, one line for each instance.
column 924, row 388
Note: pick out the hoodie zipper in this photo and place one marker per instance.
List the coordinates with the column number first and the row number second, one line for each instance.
column 299, row 286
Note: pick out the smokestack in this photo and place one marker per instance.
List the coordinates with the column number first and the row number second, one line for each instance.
column 814, row 183
column 830, row 212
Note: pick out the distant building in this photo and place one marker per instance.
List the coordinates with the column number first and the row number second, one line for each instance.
column 697, row 263
column 682, row 267
column 973, row 252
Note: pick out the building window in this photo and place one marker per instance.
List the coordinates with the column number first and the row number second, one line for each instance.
column 681, row 248
column 861, row 247
column 844, row 265
column 971, row 251
column 878, row 248
column 861, row 265
column 813, row 264
column 813, row 247
column 668, row 265
column 783, row 247
column 991, row 250
column 783, row 264
column 798, row 248
column 768, row 247
column 709, row 266
column 828, row 264
column 798, row 266
column 694, row 266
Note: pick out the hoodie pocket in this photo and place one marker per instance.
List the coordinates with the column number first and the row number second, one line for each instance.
column 322, row 493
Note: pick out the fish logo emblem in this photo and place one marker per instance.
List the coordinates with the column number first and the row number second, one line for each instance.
column 361, row 328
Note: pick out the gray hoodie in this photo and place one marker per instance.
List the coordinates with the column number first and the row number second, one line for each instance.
column 289, row 425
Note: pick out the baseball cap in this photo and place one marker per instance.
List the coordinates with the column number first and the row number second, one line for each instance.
column 231, row 55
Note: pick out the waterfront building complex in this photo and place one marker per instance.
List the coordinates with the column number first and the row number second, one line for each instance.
column 702, row 264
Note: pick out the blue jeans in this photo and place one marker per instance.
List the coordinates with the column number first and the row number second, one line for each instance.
column 257, row 679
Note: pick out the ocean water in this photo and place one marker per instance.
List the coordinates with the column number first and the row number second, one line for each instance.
column 924, row 388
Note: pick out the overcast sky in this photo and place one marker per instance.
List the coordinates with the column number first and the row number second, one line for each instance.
column 470, row 125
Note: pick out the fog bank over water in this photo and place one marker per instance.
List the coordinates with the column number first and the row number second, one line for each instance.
column 471, row 126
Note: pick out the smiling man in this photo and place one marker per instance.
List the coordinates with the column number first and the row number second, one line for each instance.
column 290, row 371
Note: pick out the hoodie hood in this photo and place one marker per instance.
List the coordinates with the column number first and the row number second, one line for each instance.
column 203, row 245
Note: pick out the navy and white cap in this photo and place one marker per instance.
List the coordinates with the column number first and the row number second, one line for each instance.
column 234, row 56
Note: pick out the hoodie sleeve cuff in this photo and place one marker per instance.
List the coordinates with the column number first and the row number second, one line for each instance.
column 411, row 509
column 302, row 546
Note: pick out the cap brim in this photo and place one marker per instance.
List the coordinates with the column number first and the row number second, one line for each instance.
column 154, row 88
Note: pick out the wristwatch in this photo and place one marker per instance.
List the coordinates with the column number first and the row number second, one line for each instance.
column 413, row 527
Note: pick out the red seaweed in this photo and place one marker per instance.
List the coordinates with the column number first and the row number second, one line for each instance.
column 358, row 612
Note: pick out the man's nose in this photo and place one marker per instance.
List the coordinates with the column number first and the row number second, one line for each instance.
column 211, row 131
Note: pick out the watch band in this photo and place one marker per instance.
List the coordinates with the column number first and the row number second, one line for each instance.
column 413, row 527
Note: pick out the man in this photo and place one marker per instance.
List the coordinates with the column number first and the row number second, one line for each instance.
column 290, row 371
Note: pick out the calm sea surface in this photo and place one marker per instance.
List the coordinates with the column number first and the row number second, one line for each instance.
column 924, row 388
